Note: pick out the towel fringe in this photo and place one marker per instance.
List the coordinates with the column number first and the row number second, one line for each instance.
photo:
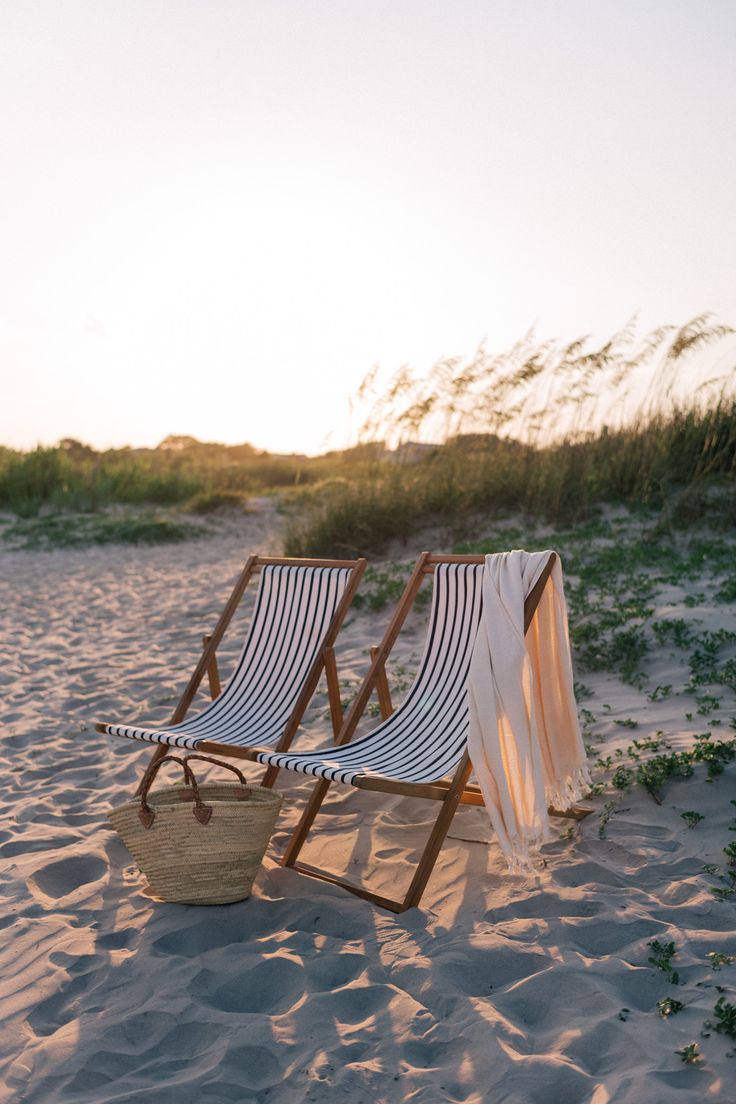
column 525, row 851
column 565, row 792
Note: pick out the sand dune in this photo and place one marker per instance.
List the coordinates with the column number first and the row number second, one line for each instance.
column 498, row 989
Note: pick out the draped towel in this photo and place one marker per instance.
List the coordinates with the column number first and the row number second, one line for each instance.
column 524, row 738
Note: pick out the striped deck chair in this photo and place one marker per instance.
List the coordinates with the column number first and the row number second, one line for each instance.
column 299, row 608
column 419, row 750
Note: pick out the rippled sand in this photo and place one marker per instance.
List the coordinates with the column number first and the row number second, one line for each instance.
column 496, row 990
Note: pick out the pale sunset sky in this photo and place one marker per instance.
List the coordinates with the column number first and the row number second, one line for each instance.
column 217, row 216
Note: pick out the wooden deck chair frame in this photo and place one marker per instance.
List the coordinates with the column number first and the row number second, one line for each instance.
column 449, row 792
column 324, row 661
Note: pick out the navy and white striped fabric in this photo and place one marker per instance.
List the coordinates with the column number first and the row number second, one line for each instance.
column 293, row 610
column 425, row 738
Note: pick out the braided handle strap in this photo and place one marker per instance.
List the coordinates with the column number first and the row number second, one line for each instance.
column 217, row 763
column 147, row 815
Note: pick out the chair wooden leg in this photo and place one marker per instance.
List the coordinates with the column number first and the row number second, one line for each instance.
column 424, row 870
column 382, row 688
column 302, row 829
column 213, row 674
column 333, row 691
column 269, row 777
column 161, row 750
column 437, row 836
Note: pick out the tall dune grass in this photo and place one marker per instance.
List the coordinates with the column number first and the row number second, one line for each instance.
column 682, row 464
column 545, row 429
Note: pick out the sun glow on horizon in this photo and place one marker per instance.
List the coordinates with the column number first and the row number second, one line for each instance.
column 217, row 218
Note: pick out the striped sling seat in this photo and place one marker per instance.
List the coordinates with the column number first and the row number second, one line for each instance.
column 295, row 611
column 424, row 739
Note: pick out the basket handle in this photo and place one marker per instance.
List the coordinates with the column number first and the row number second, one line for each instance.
column 150, row 771
column 147, row 815
column 218, row 763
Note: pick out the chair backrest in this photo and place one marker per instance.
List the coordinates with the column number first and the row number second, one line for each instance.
column 293, row 610
column 425, row 737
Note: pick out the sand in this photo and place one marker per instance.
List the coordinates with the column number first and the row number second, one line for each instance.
column 499, row 989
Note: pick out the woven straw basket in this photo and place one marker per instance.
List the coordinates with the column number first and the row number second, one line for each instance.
column 198, row 845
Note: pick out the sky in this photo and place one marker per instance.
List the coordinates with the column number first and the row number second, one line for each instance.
column 217, row 216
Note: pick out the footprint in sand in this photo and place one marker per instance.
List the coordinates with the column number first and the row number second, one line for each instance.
column 332, row 971
column 270, row 988
column 609, row 935
column 475, row 972
column 117, row 940
column 63, row 1006
column 25, row 845
column 543, row 906
column 349, row 921
column 207, row 935
column 59, row 879
column 354, row 1003
column 254, row 1067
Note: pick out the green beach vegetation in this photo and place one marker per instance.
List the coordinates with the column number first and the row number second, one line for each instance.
column 180, row 472
column 544, row 431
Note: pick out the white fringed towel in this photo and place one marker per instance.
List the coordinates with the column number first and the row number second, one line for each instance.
column 524, row 739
